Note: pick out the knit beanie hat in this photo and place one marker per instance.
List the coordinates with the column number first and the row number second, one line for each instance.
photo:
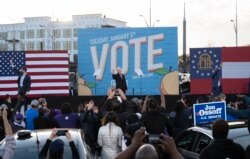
column 220, row 129
column 56, row 148
column 19, row 117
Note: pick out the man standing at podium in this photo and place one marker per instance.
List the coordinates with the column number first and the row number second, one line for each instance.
column 120, row 79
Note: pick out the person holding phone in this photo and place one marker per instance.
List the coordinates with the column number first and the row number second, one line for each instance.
column 10, row 142
column 56, row 147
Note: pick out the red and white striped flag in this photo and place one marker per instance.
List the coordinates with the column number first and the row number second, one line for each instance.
column 49, row 72
column 235, row 69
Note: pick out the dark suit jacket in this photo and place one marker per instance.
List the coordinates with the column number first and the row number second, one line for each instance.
column 26, row 81
column 216, row 77
column 120, row 82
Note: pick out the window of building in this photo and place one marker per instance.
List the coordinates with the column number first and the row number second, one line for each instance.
column 40, row 33
column 67, row 45
column 22, row 46
column 66, row 33
column 75, row 45
column 57, row 45
column 22, row 34
column 56, row 33
column 40, row 45
column 30, row 33
column 30, row 46
column 3, row 35
column 75, row 32
column 3, row 47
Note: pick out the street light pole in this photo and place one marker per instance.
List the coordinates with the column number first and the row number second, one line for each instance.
column 13, row 40
column 155, row 22
column 145, row 20
column 235, row 24
column 236, row 21
column 235, row 29
column 150, row 13
column 149, row 25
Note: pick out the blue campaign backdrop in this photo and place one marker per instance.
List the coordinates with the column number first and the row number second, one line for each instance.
column 151, row 51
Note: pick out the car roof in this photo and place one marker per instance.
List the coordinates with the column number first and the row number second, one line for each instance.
column 42, row 135
column 236, row 129
column 29, row 143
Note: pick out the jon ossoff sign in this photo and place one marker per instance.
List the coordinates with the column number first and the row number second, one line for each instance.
column 208, row 112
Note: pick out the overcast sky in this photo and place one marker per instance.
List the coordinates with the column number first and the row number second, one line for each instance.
column 208, row 21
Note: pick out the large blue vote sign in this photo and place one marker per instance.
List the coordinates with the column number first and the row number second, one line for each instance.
column 208, row 112
column 148, row 58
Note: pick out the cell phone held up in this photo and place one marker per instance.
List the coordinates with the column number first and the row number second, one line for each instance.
column 153, row 139
column 61, row 132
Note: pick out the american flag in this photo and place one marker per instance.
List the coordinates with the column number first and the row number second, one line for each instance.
column 48, row 70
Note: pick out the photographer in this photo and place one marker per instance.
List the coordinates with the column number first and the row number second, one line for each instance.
column 165, row 143
column 90, row 124
column 10, row 144
column 56, row 147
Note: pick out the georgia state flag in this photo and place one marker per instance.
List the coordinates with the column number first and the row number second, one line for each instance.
column 202, row 63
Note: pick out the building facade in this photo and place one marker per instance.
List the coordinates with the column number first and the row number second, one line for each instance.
column 41, row 33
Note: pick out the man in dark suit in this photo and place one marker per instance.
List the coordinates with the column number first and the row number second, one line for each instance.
column 23, row 82
column 120, row 79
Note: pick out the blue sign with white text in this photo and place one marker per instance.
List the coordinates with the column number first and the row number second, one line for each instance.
column 208, row 112
column 148, row 58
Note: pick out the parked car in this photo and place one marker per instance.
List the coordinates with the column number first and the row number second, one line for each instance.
column 29, row 146
column 191, row 141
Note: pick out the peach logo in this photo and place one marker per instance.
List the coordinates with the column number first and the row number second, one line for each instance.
column 170, row 82
column 84, row 87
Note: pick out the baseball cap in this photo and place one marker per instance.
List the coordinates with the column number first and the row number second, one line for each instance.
column 34, row 102
column 19, row 116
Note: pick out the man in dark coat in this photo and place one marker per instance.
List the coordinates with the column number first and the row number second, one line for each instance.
column 90, row 124
column 221, row 147
column 155, row 121
column 120, row 80
column 44, row 122
column 23, row 82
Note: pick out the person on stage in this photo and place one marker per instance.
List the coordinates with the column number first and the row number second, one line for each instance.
column 24, row 83
column 217, row 89
column 120, row 79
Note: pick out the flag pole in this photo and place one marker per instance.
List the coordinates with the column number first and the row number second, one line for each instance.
column 184, row 41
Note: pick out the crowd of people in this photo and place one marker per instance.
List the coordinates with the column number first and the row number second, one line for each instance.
column 121, row 128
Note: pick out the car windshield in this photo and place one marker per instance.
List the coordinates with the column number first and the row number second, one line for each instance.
column 244, row 141
column 28, row 148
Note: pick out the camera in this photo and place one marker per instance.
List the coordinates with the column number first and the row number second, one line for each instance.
column 61, row 132
column 153, row 139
